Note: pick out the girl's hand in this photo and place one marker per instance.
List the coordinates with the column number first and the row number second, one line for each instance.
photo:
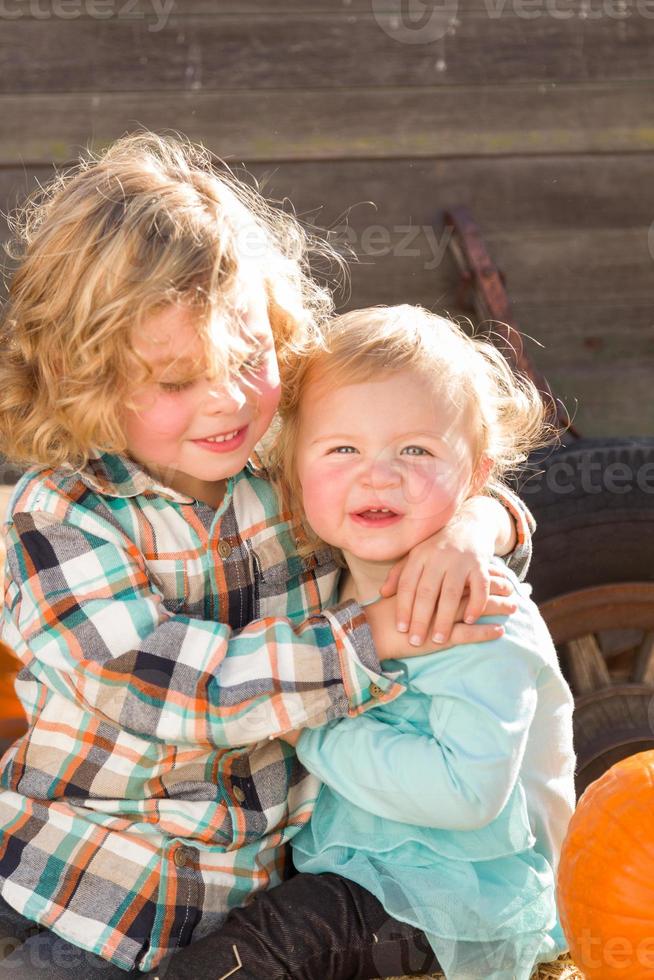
column 391, row 645
column 436, row 574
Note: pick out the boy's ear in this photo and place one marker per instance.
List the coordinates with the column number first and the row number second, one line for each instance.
column 481, row 474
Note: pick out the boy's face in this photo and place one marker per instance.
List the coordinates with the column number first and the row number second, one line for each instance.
column 179, row 411
column 383, row 464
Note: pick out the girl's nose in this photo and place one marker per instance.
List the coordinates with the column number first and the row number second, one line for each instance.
column 381, row 474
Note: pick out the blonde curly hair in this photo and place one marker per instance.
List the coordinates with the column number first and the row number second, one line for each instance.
column 508, row 413
column 148, row 223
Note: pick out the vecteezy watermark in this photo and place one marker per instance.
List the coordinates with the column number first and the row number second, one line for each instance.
column 592, row 477
column 416, row 21
column 615, row 953
column 569, row 9
column 426, row 21
column 160, row 10
column 398, row 241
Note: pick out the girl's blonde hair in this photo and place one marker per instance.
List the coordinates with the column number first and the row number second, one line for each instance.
column 506, row 409
column 148, row 223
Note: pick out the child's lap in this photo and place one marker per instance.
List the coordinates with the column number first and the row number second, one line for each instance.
column 30, row 952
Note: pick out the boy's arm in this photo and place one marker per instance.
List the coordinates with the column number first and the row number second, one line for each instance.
column 462, row 774
column 515, row 528
column 83, row 615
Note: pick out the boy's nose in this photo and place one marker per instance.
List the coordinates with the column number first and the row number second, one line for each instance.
column 225, row 397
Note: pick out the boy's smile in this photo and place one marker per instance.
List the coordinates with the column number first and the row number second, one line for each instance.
column 189, row 431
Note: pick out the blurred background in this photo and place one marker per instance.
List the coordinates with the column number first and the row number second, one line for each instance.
column 371, row 117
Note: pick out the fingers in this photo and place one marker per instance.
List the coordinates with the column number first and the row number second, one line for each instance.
column 499, row 583
column 461, row 633
column 390, row 585
column 447, row 611
column 480, row 584
column 479, row 633
column 500, row 606
column 415, row 602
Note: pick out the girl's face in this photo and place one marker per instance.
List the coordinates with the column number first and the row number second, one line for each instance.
column 188, row 431
column 382, row 464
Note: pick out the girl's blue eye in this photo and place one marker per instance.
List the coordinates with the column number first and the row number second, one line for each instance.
column 416, row 451
column 343, row 450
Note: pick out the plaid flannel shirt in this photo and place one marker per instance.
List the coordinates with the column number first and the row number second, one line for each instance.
column 165, row 645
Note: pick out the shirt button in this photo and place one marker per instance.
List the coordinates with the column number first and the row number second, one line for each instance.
column 224, row 549
column 181, row 857
column 239, row 794
column 376, row 691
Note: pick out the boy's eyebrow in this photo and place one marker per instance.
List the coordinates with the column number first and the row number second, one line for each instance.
column 174, row 360
column 258, row 339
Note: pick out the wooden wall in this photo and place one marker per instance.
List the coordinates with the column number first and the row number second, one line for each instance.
column 539, row 114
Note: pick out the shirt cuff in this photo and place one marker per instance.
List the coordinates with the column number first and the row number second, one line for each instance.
column 365, row 685
column 519, row 559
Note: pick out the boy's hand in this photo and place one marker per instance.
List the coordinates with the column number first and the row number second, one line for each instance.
column 291, row 737
column 436, row 574
column 390, row 645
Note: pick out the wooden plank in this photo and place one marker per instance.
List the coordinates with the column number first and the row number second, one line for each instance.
column 323, row 50
column 504, row 194
column 271, row 126
column 611, row 400
column 103, row 10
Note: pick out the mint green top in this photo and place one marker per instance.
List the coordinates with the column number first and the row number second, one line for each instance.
column 450, row 803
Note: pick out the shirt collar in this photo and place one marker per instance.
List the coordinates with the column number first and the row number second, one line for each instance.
column 116, row 475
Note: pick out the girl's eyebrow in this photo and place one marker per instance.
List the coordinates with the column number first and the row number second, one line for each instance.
column 403, row 435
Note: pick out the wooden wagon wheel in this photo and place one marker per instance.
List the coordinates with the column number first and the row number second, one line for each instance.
column 605, row 640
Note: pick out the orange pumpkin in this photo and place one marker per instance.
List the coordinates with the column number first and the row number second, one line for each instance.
column 12, row 717
column 606, row 874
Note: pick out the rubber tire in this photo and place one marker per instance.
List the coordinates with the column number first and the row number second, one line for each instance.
column 593, row 501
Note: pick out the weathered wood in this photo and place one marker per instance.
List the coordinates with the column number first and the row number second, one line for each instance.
column 341, row 50
column 103, row 10
column 584, row 665
column 644, row 666
column 505, row 194
column 271, row 126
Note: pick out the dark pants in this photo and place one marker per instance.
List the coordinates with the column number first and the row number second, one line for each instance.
column 311, row 927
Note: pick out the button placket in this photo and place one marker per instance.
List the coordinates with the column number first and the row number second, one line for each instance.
column 224, row 549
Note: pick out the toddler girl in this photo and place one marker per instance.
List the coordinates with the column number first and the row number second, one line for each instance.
column 168, row 628
column 443, row 811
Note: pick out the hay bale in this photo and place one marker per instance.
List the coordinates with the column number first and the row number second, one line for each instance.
column 561, row 969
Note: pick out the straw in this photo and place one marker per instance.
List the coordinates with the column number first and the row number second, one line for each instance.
column 561, row 969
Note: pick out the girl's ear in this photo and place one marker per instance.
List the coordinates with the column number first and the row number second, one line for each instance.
column 481, row 474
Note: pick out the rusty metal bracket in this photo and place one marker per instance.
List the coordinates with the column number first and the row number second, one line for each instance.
column 484, row 283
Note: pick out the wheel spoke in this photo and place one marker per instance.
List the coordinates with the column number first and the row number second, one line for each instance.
column 584, row 664
column 644, row 662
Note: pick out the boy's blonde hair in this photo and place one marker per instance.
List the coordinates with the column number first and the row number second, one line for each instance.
column 148, row 223
column 506, row 409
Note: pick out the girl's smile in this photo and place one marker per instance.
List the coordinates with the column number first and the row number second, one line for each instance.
column 383, row 464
